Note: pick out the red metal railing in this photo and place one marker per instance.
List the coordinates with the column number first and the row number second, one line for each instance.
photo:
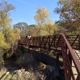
column 52, row 41
column 74, row 41
column 69, row 58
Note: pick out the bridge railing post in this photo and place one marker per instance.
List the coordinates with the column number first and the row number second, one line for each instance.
column 64, row 51
column 49, row 43
column 68, row 55
column 54, row 40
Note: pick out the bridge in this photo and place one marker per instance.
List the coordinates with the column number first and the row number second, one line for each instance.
column 67, row 46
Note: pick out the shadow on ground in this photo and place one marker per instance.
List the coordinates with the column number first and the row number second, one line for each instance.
column 32, row 65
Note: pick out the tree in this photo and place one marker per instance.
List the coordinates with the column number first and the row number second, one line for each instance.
column 9, row 42
column 5, row 9
column 8, row 36
column 30, row 30
column 41, row 17
column 3, row 45
column 69, row 11
column 21, row 25
column 13, row 38
column 49, row 28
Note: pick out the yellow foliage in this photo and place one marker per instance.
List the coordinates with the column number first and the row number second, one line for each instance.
column 4, row 21
column 17, row 30
column 8, row 37
column 5, row 9
column 3, row 44
column 49, row 28
column 14, row 36
column 42, row 15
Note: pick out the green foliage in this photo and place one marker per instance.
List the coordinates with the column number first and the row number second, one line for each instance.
column 50, row 28
column 3, row 44
column 21, row 25
column 4, row 20
column 8, row 41
column 69, row 11
column 73, row 33
column 41, row 17
column 5, row 9
column 44, row 25
column 11, row 35
column 14, row 36
column 47, row 29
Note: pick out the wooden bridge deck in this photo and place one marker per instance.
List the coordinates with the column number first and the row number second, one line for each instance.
column 77, row 53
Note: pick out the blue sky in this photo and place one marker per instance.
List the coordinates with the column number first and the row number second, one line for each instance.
column 25, row 10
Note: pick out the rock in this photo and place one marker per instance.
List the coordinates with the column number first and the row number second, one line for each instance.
column 7, row 73
column 19, row 72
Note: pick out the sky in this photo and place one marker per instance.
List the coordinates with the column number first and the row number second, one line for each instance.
column 25, row 10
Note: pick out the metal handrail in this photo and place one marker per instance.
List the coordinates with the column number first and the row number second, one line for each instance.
column 73, row 56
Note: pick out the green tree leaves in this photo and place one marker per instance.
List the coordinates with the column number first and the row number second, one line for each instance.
column 5, row 9
column 69, row 11
column 44, row 25
column 8, row 36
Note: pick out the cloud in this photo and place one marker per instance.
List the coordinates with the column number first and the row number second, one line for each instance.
column 27, row 3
